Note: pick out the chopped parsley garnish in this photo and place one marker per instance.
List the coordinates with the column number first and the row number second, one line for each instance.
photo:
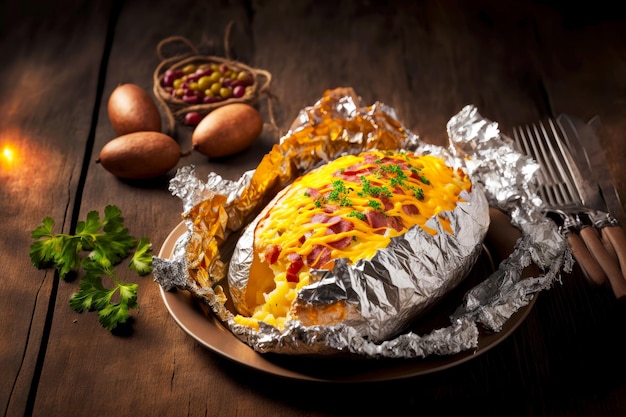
column 339, row 194
column 419, row 192
column 357, row 214
column 369, row 190
column 375, row 204
column 345, row 202
column 398, row 175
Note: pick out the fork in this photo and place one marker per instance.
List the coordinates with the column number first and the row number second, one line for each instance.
column 558, row 191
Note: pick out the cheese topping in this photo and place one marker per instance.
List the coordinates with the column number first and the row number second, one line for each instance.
column 348, row 208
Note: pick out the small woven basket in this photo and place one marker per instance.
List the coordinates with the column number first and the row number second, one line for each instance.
column 176, row 108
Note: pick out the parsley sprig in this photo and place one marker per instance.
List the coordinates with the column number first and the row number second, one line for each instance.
column 96, row 247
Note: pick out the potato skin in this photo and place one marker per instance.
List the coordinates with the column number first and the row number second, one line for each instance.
column 131, row 109
column 140, row 155
column 227, row 130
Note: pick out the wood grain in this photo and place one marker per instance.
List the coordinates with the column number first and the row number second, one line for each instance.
column 48, row 87
column 516, row 61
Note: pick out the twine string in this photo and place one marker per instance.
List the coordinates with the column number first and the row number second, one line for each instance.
column 176, row 109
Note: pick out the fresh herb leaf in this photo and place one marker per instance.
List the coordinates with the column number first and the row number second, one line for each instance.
column 52, row 250
column 110, row 247
column 141, row 261
column 94, row 296
column 97, row 246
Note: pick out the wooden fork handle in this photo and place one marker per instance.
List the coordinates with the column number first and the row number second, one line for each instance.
column 591, row 237
column 617, row 239
column 585, row 259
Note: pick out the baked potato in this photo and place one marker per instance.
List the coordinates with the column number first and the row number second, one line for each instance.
column 325, row 245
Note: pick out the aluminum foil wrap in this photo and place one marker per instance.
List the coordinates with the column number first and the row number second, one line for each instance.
column 386, row 288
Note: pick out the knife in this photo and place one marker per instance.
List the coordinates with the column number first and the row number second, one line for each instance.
column 596, row 188
column 587, row 142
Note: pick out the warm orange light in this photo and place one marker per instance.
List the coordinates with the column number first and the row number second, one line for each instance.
column 23, row 163
column 9, row 157
column 8, row 154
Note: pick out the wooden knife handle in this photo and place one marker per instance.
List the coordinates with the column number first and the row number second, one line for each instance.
column 607, row 244
column 591, row 237
column 617, row 238
column 585, row 259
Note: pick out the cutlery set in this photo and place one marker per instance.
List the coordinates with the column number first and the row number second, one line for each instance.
column 576, row 187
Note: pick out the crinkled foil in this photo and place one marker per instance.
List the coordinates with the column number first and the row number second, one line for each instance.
column 389, row 290
column 217, row 211
column 509, row 181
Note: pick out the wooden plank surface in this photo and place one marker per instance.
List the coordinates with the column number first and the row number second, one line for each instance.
column 516, row 61
column 49, row 77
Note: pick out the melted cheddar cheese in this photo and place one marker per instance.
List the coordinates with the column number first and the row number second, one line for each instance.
column 349, row 208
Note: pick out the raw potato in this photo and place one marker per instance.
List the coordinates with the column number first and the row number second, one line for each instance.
column 140, row 155
column 131, row 109
column 227, row 130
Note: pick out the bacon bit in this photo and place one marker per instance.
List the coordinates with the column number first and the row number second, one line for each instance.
column 415, row 175
column 341, row 243
column 333, row 221
column 354, row 172
column 319, row 218
column 313, row 193
column 379, row 221
column 341, row 226
column 370, row 158
column 395, row 223
column 318, row 256
column 294, row 267
column 376, row 220
column 410, row 209
column 387, row 204
column 334, row 225
column 293, row 257
column 271, row 253
column 331, row 208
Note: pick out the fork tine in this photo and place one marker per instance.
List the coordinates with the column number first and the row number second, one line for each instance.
column 540, row 143
column 525, row 142
column 546, row 158
column 524, row 146
column 566, row 181
column 566, row 174
column 557, row 189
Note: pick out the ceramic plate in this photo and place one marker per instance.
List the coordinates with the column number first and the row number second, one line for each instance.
column 199, row 322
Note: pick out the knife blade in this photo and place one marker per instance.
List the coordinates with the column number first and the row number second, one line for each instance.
column 589, row 154
column 596, row 187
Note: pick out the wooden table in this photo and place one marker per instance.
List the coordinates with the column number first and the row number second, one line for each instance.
column 516, row 61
